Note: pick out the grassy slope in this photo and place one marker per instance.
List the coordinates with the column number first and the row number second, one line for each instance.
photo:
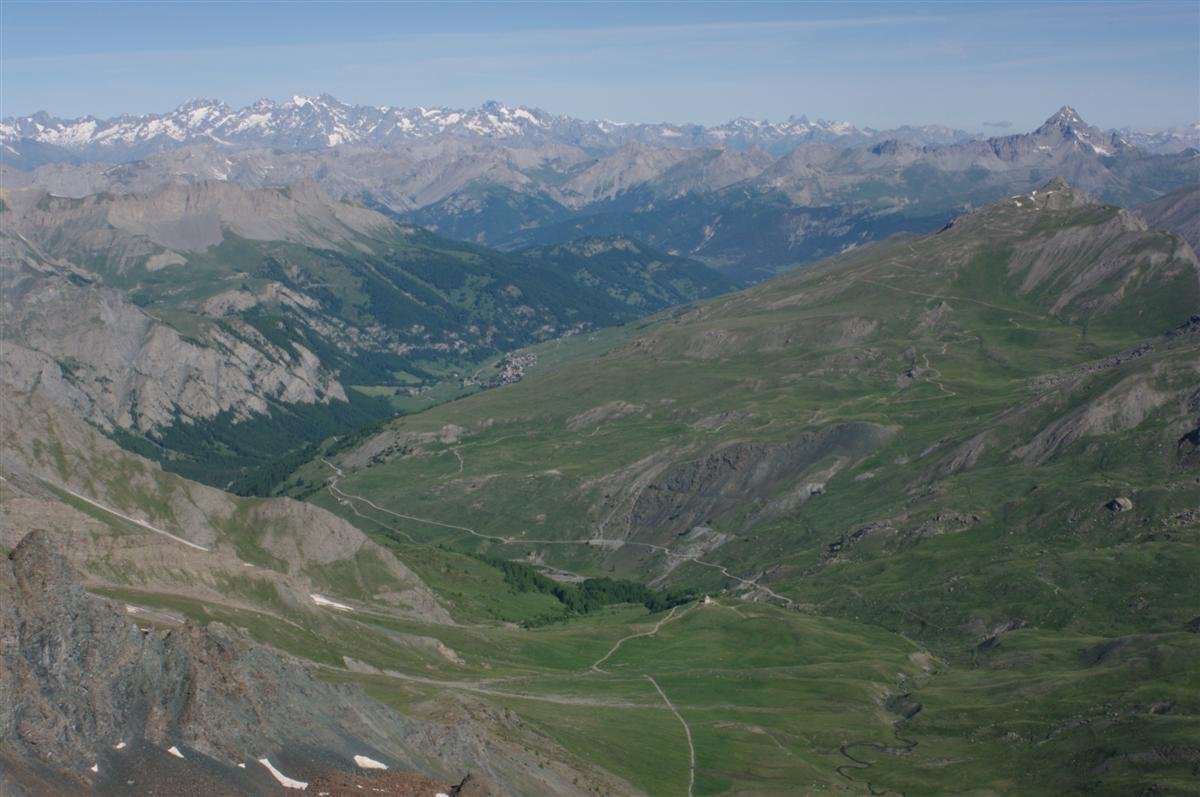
column 1012, row 544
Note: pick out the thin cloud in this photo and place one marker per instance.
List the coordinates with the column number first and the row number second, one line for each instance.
column 541, row 36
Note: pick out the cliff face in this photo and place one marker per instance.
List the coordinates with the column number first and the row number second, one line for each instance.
column 81, row 685
column 117, row 366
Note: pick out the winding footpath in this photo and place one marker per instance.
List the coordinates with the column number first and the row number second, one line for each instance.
column 480, row 689
column 657, row 626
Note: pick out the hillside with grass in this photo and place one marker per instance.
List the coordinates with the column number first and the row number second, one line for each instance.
column 919, row 520
column 981, row 443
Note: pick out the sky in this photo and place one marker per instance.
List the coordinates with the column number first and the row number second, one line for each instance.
column 1010, row 64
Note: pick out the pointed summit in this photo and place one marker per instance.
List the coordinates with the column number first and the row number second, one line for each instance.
column 1066, row 115
column 1066, row 121
column 1067, row 125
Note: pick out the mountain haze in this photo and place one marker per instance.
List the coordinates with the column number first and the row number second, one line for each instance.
column 498, row 177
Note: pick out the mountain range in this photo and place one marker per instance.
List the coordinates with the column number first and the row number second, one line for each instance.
column 303, row 123
column 501, row 178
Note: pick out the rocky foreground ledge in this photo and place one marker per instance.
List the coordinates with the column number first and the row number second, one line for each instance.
column 91, row 703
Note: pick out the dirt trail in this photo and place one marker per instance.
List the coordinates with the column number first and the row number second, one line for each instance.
column 123, row 516
column 477, row 688
column 657, row 626
column 338, row 493
column 354, row 509
column 949, row 393
column 687, row 731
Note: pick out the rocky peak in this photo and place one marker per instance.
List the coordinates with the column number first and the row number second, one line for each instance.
column 1067, row 124
column 1056, row 184
column 1058, row 194
column 1066, row 116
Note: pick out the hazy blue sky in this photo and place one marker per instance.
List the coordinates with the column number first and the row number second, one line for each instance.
column 870, row 63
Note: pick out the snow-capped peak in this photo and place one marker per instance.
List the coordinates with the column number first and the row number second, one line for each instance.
column 314, row 122
column 1066, row 115
column 1067, row 125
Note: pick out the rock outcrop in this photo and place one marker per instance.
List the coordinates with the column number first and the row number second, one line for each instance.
column 84, row 691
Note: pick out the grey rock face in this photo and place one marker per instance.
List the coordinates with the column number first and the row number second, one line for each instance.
column 124, row 368
column 78, row 678
column 1177, row 212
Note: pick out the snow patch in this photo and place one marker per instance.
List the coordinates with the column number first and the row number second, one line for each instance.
column 173, row 750
column 284, row 780
column 368, row 763
column 323, row 601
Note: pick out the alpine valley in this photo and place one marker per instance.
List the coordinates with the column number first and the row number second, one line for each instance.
column 356, row 449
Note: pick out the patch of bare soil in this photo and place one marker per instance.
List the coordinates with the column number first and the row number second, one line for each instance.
column 605, row 412
column 1122, row 407
column 712, row 344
